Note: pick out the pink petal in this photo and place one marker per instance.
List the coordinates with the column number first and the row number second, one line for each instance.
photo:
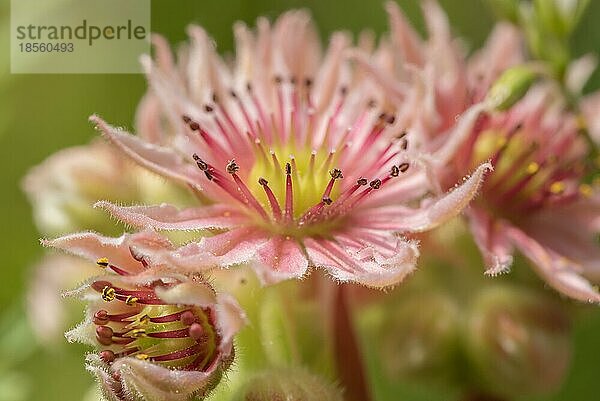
column 188, row 293
column 459, row 134
column 492, row 240
column 403, row 36
column 373, row 264
column 167, row 217
column 160, row 160
column 295, row 34
column 411, row 186
column 230, row 318
column 503, row 49
column 205, row 71
column 579, row 72
column 93, row 246
column 152, row 382
column 107, row 384
column 280, row 259
column 386, row 81
column 328, row 77
column 557, row 271
column 403, row 219
column 164, row 57
column 173, row 94
column 231, row 248
column 570, row 231
column 590, row 105
column 436, row 20
column 148, row 120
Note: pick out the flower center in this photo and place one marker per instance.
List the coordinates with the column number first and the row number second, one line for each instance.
column 313, row 178
column 297, row 168
column 528, row 173
column 137, row 323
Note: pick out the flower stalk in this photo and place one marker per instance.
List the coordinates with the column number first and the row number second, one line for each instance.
column 349, row 361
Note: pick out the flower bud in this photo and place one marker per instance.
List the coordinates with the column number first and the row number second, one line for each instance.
column 159, row 337
column 511, row 87
column 419, row 336
column 518, row 341
column 48, row 314
column 559, row 16
column 287, row 384
column 63, row 188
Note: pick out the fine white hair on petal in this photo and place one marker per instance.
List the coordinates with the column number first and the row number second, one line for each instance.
column 237, row 134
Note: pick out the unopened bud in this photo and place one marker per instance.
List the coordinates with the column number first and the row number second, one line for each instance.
column 63, row 188
column 512, row 85
column 518, row 341
column 559, row 17
column 287, row 384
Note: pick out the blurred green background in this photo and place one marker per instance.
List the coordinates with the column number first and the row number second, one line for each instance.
column 40, row 114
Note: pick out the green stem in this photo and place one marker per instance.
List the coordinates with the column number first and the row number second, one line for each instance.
column 350, row 365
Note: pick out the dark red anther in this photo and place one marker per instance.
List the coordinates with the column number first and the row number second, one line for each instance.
column 336, row 174
column 202, row 165
column 362, row 181
column 104, row 340
column 104, row 332
column 101, row 318
column 375, row 184
column 403, row 167
column 116, row 385
column 107, row 356
column 232, row 167
column 116, row 376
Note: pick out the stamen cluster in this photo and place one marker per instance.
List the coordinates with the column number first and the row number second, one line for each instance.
column 137, row 323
